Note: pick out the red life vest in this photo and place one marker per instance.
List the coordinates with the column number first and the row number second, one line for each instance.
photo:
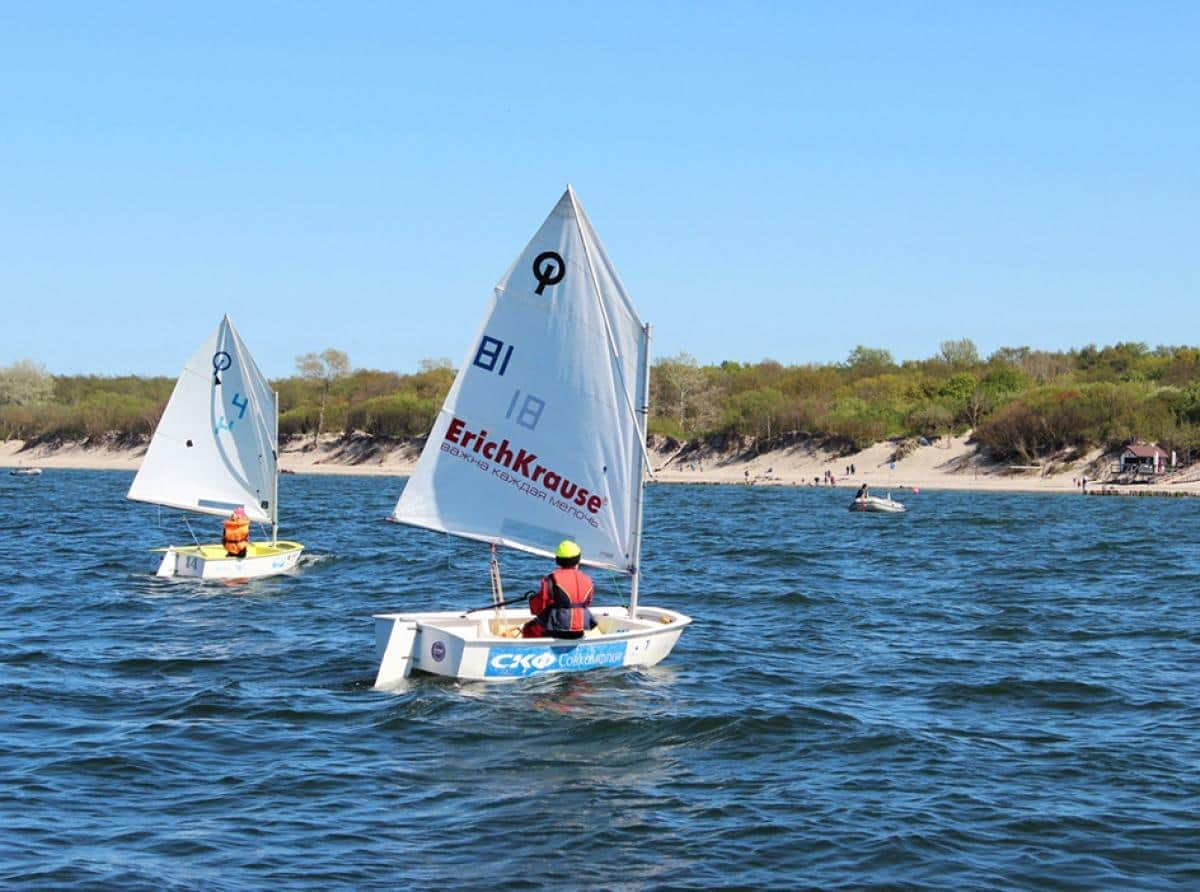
column 570, row 595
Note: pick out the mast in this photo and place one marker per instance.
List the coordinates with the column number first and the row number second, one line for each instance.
column 640, row 476
column 275, row 482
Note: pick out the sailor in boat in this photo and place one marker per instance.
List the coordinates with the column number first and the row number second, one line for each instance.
column 862, row 493
column 236, row 537
column 560, row 607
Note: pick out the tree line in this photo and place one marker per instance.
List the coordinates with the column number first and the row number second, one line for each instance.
column 1021, row 403
column 325, row 395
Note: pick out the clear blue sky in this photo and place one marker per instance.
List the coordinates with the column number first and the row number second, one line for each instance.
column 782, row 180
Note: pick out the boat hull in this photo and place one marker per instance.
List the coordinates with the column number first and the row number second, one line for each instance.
column 472, row 647
column 211, row 561
column 874, row 504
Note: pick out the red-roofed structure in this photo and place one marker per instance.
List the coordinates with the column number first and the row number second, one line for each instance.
column 1143, row 457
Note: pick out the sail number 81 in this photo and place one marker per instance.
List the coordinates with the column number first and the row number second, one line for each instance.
column 489, row 353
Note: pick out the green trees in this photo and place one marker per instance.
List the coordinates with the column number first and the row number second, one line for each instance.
column 681, row 395
column 24, row 383
column 1021, row 403
column 959, row 354
column 36, row 404
column 869, row 360
column 1104, row 413
column 323, row 370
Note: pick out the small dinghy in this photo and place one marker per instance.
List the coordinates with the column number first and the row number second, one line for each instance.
column 542, row 436
column 25, row 472
column 215, row 450
column 877, row 504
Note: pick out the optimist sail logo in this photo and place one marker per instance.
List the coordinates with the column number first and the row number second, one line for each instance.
column 548, row 269
column 519, row 662
column 220, row 362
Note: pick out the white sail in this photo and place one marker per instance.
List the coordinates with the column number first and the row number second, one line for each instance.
column 215, row 446
column 542, row 434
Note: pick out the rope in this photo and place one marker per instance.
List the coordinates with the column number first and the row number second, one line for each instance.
column 617, row 578
column 497, row 585
column 190, row 531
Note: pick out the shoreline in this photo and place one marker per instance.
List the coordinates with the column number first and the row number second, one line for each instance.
column 951, row 464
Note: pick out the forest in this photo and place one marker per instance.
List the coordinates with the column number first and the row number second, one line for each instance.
column 1021, row 403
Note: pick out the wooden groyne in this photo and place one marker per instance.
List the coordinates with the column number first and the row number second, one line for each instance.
column 1157, row 493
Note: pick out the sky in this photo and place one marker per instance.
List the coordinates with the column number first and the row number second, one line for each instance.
column 771, row 180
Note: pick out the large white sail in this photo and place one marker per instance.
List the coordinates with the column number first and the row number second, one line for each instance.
column 541, row 436
column 215, row 446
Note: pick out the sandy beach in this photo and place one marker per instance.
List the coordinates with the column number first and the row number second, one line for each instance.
column 951, row 463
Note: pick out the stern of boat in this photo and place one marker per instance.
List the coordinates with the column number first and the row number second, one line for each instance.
column 484, row 648
column 211, row 561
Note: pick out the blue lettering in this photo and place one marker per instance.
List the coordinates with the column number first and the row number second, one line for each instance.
column 242, row 406
column 489, row 354
column 530, row 412
column 519, row 662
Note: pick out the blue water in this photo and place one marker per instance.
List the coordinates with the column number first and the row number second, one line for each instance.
column 992, row 691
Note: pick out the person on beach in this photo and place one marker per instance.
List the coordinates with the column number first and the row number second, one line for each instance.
column 560, row 606
column 236, row 535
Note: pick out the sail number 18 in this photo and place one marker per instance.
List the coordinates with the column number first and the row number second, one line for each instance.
column 494, row 355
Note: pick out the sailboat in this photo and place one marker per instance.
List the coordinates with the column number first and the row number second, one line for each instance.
column 215, row 450
column 542, row 437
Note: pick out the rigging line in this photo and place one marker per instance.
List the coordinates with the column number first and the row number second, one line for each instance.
column 615, row 579
column 497, row 585
column 612, row 346
column 188, row 524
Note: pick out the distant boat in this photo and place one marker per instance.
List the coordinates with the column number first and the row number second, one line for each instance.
column 542, row 437
column 877, row 504
column 25, row 472
column 216, row 449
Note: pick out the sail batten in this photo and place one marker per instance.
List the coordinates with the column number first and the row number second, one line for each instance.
column 539, row 437
column 215, row 445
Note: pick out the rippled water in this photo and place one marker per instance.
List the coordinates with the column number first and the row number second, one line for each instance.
column 991, row 691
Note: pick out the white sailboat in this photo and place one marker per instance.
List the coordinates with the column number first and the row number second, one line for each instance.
column 542, row 437
column 215, row 449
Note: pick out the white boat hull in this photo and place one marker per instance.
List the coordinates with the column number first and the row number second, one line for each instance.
column 467, row 646
column 211, row 561
column 877, row 505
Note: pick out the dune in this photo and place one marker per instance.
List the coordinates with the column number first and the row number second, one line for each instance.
column 952, row 463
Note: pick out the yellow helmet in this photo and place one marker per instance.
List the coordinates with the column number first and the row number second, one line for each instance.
column 567, row 550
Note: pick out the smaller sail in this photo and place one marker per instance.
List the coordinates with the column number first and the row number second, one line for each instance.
column 215, row 446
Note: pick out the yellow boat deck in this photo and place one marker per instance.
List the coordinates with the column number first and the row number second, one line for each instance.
column 255, row 550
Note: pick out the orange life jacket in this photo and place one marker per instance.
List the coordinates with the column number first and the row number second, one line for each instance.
column 237, row 536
